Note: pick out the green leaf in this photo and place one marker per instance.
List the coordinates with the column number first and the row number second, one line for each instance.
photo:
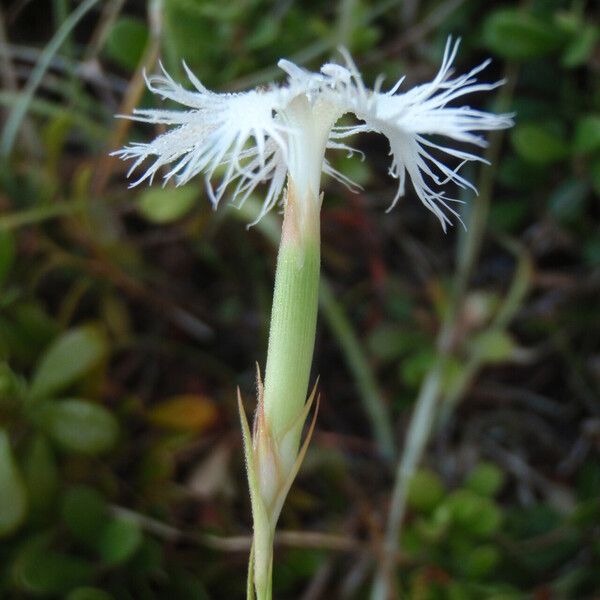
column 456, row 590
column 473, row 513
column 411, row 540
column 40, row 570
column 486, row 479
column 148, row 560
column 165, row 205
column 84, row 512
column 536, row 144
column 481, row 561
column 493, row 346
column 430, row 530
column 12, row 388
column 13, row 494
column 126, row 42
column 581, row 46
column 7, row 254
column 425, row 490
column 68, row 359
column 354, row 168
column 415, row 366
column 586, row 513
column 88, row 593
column 41, row 474
column 388, row 342
column 518, row 35
column 587, row 134
column 26, row 331
column 119, row 540
column 79, row 426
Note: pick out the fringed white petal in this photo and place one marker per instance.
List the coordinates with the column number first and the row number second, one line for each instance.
column 237, row 132
column 250, row 138
column 406, row 118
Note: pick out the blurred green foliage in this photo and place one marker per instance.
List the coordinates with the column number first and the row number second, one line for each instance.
column 127, row 318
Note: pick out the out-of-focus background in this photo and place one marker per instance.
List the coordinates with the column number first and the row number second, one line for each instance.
column 128, row 317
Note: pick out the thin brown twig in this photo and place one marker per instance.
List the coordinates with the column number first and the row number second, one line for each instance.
column 293, row 539
column 239, row 543
column 108, row 16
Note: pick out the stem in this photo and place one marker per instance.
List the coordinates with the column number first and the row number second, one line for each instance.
column 263, row 577
column 293, row 320
column 274, row 455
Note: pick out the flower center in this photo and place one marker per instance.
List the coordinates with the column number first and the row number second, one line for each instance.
column 309, row 122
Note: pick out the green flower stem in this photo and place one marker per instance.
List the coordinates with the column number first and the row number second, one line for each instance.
column 293, row 326
column 273, row 454
column 340, row 325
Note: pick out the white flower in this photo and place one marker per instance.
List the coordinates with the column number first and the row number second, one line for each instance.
column 265, row 134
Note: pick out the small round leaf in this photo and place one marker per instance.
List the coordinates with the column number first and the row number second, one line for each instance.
column 88, row 593
column 41, row 474
column 67, row 359
column 486, row 479
column 84, row 512
column 165, row 205
column 42, row 571
column 519, row 35
column 13, row 494
column 537, row 145
column 119, row 540
column 126, row 42
column 80, row 426
column 425, row 491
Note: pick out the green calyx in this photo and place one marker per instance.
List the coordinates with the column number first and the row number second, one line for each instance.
column 293, row 326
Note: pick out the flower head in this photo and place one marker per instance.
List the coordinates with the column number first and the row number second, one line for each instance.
column 265, row 134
